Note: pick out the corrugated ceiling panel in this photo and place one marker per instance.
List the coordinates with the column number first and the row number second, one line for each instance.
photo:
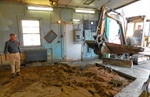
column 118, row 3
column 96, row 4
column 76, row 2
column 64, row 2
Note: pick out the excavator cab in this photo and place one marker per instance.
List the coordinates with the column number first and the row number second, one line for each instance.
column 138, row 31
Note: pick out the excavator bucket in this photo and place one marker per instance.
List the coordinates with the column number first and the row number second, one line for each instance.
column 91, row 43
column 117, row 48
column 122, row 49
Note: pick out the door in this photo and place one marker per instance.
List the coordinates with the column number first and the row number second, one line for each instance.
column 72, row 51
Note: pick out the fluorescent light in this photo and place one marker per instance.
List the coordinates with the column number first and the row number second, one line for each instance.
column 76, row 20
column 84, row 11
column 40, row 8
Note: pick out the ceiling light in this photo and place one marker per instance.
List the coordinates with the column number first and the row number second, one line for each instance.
column 59, row 21
column 76, row 20
column 40, row 8
column 84, row 11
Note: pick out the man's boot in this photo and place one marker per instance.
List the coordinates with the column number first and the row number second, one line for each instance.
column 18, row 74
column 13, row 75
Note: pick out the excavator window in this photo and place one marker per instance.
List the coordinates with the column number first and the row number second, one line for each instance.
column 113, row 31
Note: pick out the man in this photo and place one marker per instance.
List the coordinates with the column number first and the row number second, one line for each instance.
column 12, row 47
column 138, row 34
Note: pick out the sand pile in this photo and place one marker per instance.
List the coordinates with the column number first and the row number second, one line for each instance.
column 62, row 81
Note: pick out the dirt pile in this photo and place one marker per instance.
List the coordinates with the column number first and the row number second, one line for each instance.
column 62, row 81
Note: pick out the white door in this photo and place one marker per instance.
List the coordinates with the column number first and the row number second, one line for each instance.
column 72, row 51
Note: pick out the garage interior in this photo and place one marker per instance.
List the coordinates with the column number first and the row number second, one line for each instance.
column 68, row 52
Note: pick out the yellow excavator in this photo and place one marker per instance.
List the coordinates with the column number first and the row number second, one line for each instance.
column 103, row 45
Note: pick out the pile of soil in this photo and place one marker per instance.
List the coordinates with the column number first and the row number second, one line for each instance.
column 62, row 81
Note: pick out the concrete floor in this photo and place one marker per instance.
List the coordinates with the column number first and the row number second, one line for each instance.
column 139, row 72
column 145, row 65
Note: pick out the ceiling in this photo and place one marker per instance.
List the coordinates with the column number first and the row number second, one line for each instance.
column 96, row 4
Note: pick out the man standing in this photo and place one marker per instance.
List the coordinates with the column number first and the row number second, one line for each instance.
column 12, row 47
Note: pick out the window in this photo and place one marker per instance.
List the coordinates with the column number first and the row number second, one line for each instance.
column 130, row 29
column 31, row 32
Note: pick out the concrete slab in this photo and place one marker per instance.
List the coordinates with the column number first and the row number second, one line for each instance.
column 145, row 65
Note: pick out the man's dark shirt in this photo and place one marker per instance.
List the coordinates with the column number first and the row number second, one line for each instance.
column 11, row 47
column 138, row 34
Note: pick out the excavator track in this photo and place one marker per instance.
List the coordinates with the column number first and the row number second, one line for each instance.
column 138, row 58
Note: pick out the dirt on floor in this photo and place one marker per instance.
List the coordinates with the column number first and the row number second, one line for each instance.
column 62, row 81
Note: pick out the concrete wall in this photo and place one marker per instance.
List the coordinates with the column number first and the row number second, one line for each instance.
column 12, row 13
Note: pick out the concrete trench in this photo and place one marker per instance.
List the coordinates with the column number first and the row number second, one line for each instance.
column 134, row 89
